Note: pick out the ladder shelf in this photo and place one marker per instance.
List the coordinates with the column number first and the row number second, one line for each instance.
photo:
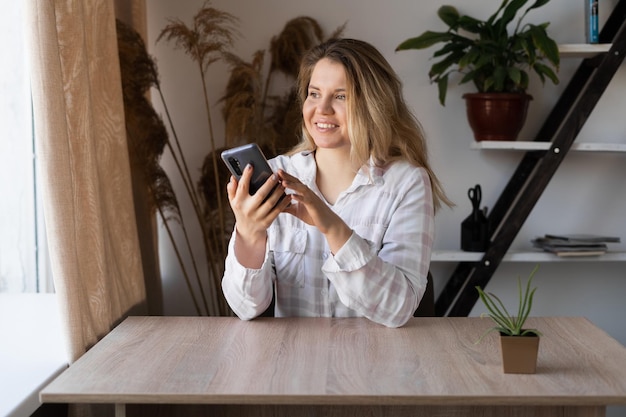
column 536, row 168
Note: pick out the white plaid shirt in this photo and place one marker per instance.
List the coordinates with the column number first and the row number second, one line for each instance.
column 379, row 273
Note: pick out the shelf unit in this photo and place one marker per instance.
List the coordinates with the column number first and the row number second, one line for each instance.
column 544, row 146
column 542, row 158
column 523, row 256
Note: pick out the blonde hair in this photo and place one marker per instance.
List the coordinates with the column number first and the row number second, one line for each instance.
column 380, row 124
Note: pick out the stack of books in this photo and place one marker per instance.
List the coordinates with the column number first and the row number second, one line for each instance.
column 575, row 244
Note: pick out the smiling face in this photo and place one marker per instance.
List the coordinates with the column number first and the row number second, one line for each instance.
column 325, row 108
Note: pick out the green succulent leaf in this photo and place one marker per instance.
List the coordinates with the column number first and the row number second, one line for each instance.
column 545, row 71
column 449, row 15
column 505, row 322
column 524, row 82
column 442, row 86
column 468, row 77
column 547, row 46
column 538, row 3
column 515, row 75
column 509, row 14
column 425, row 40
column 443, row 65
column 470, row 24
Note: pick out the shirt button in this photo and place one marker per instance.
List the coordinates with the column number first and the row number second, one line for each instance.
column 324, row 256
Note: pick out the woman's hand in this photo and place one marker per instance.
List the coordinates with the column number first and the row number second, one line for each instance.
column 254, row 214
column 309, row 208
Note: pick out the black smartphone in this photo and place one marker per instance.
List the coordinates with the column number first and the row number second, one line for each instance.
column 237, row 158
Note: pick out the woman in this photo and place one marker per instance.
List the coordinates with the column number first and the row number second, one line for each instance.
column 354, row 236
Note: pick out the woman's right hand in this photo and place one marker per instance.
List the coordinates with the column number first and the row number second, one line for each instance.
column 254, row 214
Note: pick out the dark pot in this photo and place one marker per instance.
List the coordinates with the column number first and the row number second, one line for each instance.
column 496, row 116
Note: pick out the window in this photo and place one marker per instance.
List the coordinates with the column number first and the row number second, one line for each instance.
column 22, row 243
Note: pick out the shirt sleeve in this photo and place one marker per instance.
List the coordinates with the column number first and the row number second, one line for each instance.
column 247, row 291
column 387, row 286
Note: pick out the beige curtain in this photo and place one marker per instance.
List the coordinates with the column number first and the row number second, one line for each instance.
column 83, row 158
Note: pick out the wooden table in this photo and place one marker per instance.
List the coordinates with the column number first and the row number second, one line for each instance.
column 350, row 367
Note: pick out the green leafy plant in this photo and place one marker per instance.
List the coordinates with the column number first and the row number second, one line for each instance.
column 485, row 53
column 506, row 323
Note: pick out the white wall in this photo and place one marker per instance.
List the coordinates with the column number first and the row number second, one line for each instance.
column 588, row 193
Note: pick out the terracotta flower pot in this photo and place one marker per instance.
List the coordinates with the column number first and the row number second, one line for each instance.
column 519, row 354
column 496, row 116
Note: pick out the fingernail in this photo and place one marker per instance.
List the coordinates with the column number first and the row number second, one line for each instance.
column 248, row 166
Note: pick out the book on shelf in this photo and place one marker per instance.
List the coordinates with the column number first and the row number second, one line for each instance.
column 591, row 21
column 584, row 238
column 573, row 254
column 575, row 244
column 577, row 250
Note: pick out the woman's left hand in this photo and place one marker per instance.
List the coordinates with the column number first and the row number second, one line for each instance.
column 309, row 208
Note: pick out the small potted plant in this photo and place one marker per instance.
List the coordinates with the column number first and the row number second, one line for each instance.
column 519, row 344
column 495, row 59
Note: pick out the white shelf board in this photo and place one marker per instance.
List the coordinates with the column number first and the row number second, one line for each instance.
column 523, row 256
column 583, row 50
column 544, row 146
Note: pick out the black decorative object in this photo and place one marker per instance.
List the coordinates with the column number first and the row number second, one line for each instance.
column 475, row 228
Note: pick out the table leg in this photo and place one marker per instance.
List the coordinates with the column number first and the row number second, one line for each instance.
column 120, row 410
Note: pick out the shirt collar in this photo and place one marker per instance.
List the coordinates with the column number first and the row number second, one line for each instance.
column 369, row 174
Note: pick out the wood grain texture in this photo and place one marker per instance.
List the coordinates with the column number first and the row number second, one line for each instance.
column 358, row 411
column 340, row 362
